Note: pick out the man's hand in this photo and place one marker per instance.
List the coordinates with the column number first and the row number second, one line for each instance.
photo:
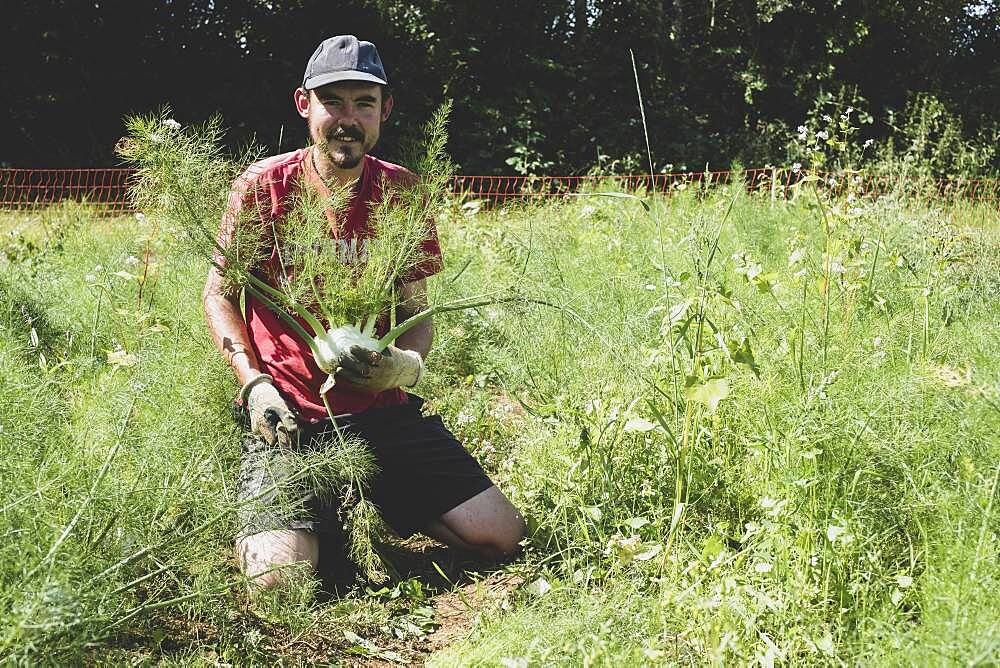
column 270, row 416
column 376, row 372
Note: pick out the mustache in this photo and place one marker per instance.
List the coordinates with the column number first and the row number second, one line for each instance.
column 347, row 133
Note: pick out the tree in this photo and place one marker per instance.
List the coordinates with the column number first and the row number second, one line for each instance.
column 538, row 85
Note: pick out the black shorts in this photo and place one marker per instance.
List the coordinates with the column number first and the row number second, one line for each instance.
column 423, row 473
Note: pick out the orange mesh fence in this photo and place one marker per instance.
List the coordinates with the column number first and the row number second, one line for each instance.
column 107, row 189
column 778, row 183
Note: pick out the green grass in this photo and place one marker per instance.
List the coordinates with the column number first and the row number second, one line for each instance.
column 837, row 505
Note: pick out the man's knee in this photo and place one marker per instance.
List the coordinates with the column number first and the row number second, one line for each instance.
column 489, row 524
column 262, row 555
column 507, row 539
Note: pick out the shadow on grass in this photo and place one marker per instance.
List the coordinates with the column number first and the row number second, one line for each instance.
column 436, row 566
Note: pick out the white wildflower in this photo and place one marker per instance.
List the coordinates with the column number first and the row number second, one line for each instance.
column 827, row 118
column 141, row 217
column 823, row 134
column 837, row 534
column 172, row 124
column 850, row 110
column 131, row 261
column 796, row 167
column 762, row 567
column 868, row 143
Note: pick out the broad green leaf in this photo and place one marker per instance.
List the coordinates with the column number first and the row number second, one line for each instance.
column 539, row 587
column 709, row 393
column 677, row 313
column 713, row 548
column 651, row 551
column 638, row 425
column 743, row 354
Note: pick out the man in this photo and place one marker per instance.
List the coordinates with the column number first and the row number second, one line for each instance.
column 428, row 482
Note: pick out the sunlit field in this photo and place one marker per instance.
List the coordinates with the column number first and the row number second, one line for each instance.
column 754, row 429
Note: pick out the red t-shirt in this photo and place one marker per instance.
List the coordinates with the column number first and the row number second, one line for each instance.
column 283, row 354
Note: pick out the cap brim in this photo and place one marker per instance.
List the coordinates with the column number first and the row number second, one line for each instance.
column 347, row 75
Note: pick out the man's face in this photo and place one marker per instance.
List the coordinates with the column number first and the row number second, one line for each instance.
column 344, row 119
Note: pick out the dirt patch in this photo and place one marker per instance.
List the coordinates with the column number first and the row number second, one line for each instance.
column 387, row 629
column 463, row 594
column 457, row 611
column 455, row 614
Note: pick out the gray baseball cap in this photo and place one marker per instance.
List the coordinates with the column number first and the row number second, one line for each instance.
column 343, row 58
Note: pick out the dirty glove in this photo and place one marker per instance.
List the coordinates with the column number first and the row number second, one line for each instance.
column 270, row 416
column 375, row 372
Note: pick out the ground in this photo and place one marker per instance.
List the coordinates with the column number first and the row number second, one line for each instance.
column 741, row 429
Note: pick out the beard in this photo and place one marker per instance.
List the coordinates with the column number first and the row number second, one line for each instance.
column 345, row 155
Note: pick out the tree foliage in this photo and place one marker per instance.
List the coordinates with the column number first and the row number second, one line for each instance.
column 539, row 85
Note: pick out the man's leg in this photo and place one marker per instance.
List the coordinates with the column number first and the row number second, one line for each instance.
column 487, row 524
column 262, row 554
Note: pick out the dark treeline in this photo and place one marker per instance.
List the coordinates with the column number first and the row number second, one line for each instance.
column 540, row 86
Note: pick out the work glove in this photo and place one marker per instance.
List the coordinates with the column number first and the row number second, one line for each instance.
column 376, row 372
column 270, row 416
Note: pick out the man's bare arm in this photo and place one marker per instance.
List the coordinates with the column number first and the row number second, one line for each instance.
column 228, row 329
column 413, row 299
